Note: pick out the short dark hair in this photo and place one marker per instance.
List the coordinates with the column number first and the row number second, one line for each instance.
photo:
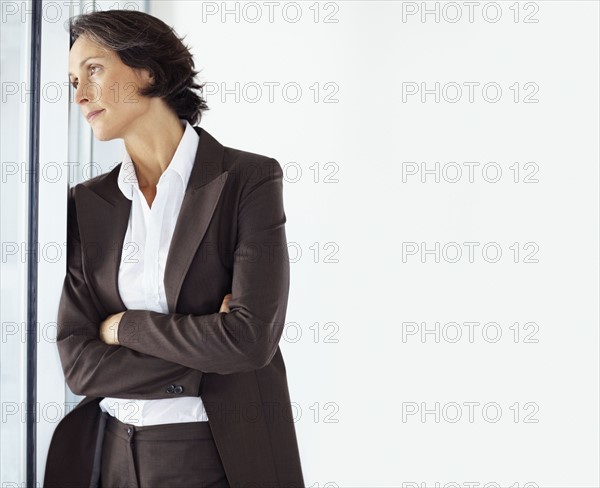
column 143, row 41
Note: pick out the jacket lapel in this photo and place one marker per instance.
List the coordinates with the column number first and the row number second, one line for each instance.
column 201, row 196
column 104, row 215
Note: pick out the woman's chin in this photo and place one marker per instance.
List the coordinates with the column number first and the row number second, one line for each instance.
column 100, row 134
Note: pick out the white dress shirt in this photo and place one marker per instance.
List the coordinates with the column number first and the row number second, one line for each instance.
column 142, row 270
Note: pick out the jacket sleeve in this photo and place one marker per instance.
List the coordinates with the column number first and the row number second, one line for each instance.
column 94, row 368
column 247, row 337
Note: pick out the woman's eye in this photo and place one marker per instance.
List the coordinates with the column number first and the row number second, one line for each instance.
column 74, row 84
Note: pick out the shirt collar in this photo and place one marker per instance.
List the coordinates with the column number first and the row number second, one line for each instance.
column 182, row 162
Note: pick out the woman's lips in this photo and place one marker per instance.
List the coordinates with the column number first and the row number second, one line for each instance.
column 94, row 114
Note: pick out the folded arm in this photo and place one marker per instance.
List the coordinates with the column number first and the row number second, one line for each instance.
column 247, row 337
column 94, row 368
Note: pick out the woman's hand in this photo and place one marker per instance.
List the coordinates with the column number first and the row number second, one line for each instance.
column 109, row 329
column 225, row 304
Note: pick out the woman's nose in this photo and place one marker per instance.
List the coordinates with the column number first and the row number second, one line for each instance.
column 89, row 92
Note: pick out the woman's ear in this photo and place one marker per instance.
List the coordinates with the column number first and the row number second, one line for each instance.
column 145, row 76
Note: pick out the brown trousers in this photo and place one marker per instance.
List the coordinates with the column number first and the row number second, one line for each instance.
column 180, row 455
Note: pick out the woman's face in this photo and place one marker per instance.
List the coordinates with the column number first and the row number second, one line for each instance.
column 104, row 83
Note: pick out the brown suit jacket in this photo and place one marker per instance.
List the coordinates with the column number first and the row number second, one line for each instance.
column 229, row 238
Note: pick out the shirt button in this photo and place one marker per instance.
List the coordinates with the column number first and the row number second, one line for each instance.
column 129, row 431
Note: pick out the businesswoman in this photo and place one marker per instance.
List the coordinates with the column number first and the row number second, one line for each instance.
column 177, row 281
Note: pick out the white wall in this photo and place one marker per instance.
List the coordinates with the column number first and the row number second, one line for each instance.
column 352, row 230
column 52, row 228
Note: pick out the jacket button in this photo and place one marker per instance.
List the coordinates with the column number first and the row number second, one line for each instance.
column 179, row 389
column 129, row 431
column 170, row 388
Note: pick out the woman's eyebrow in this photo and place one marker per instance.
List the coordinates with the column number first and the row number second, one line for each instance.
column 87, row 59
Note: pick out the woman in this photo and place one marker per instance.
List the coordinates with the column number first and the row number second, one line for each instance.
column 177, row 394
